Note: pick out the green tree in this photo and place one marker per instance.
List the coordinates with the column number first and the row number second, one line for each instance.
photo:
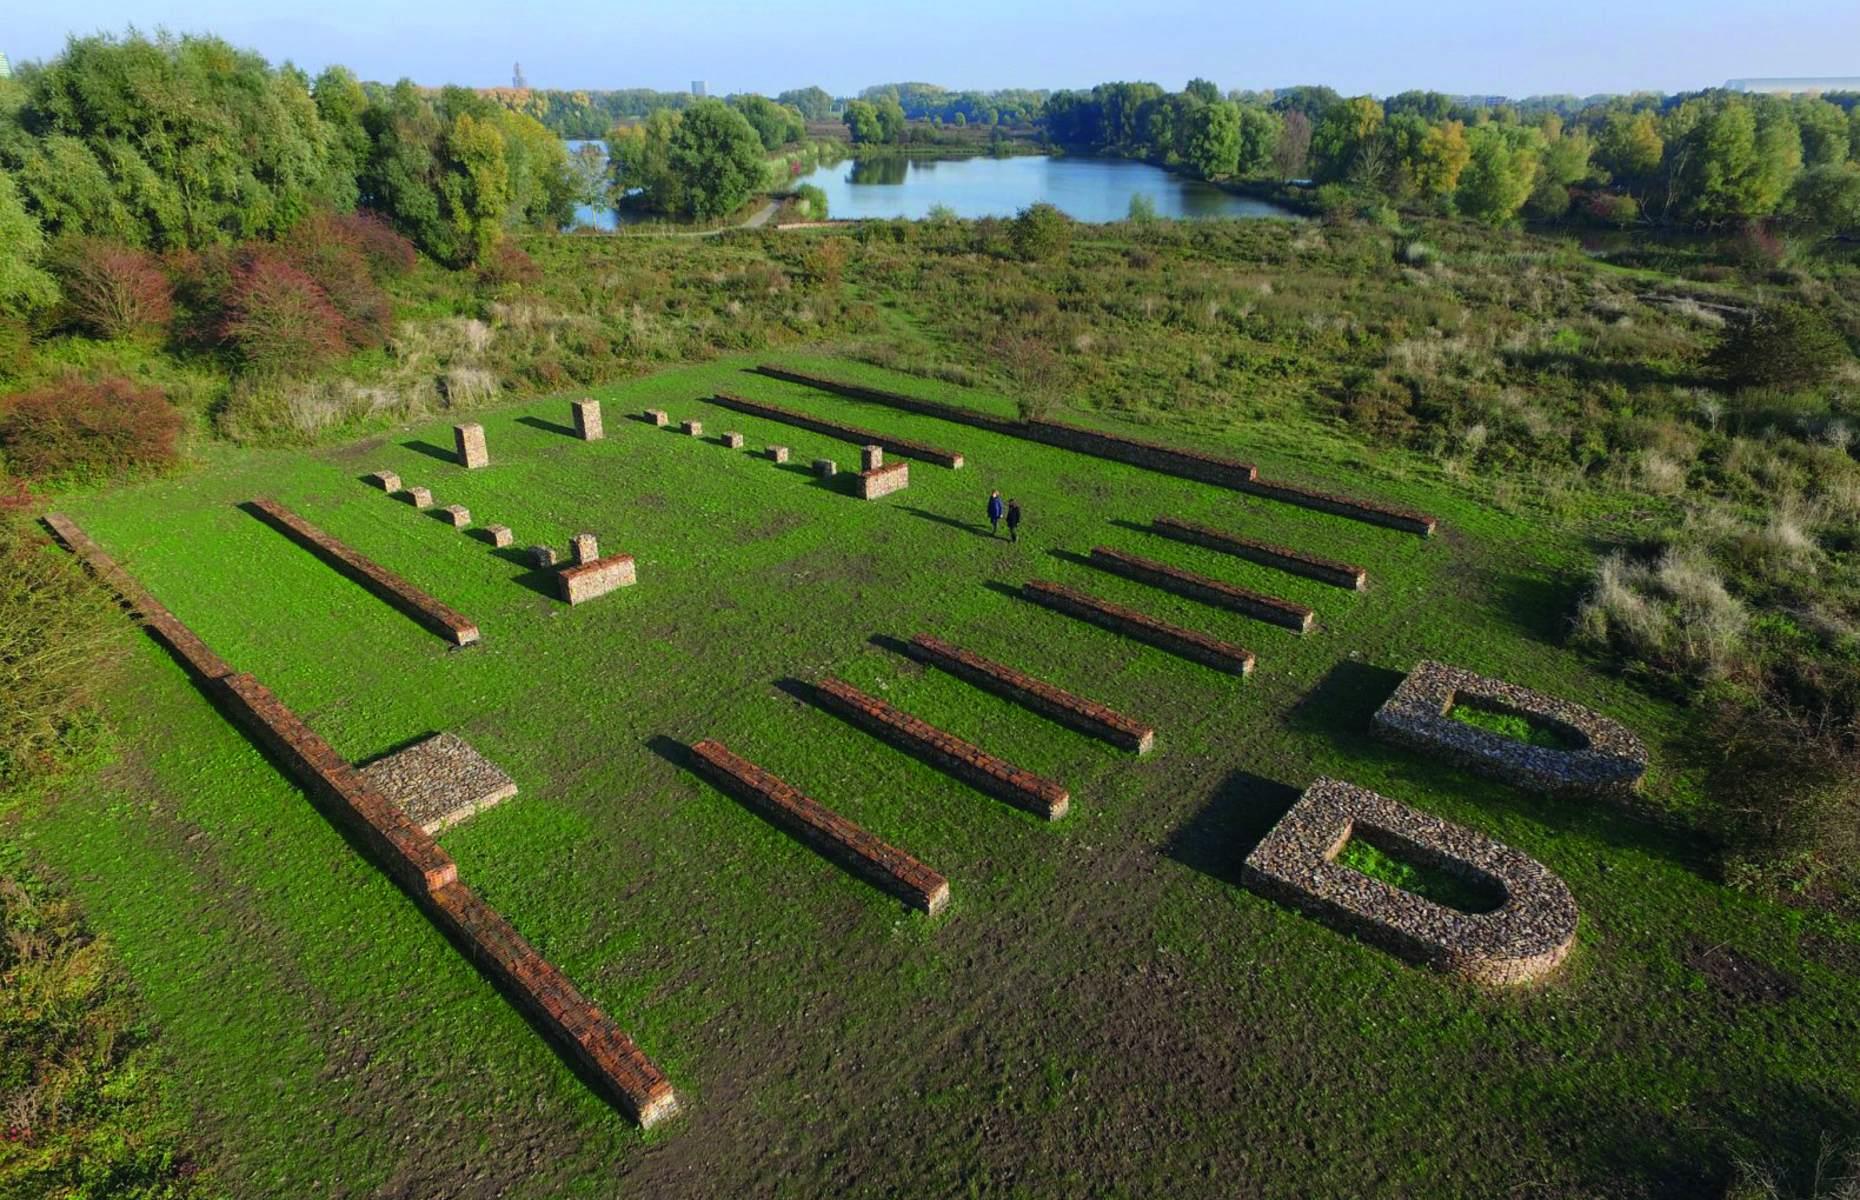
column 641, row 155
column 1741, row 161
column 861, row 118
column 1339, row 140
column 1260, row 130
column 1501, row 170
column 1214, row 144
column 341, row 105
column 776, row 124
column 475, row 192
column 891, row 119
column 1202, row 91
column 1630, row 146
column 1825, row 132
column 24, row 288
column 1040, row 233
column 1826, row 199
column 813, row 103
column 1439, row 160
column 717, row 157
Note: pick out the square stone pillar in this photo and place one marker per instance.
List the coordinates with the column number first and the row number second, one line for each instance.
column 658, row 416
column 585, row 548
column 419, row 497
column 542, row 556
column 733, row 440
column 588, row 420
column 826, row 468
column 871, row 458
column 472, row 453
column 694, row 428
column 387, row 481
column 778, row 454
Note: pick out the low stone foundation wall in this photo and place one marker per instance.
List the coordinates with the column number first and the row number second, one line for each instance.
column 1609, row 762
column 1056, row 703
column 378, row 579
column 1259, row 606
column 902, row 447
column 1524, row 939
column 976, row 767
column 1283, row 558
column 1172, row 460
column 882, row 865
column 587, row 580
column 1209, row 651
column 882, row 481
column 588, row 1034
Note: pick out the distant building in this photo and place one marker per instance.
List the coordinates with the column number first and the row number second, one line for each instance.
column 6, row 68
column 697, row 88
column 516, row 77
column 1796, row 87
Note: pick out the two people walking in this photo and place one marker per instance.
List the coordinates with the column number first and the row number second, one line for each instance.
column 996, row 511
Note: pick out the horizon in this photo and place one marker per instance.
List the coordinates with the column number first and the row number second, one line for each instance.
column 973, row 46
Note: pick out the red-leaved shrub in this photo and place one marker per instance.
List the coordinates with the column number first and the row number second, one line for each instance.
column 83, row 426
column 278, row 316
column 114, row 290
column 328, row 251
column 509, row 265
column 389, row 255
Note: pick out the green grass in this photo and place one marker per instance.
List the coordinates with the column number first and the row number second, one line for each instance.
column 1103, row 1010
column 1442, row 887
column 1513, row 725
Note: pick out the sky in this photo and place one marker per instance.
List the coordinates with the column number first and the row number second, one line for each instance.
column 1477, row 47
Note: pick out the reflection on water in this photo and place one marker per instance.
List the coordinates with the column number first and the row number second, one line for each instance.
column 884, row 171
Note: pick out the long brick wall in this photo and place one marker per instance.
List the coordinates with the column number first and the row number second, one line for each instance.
column 1284, row 558
column 884, row 866
column 154, row 616
column 1210, row 651
column 1172, row 460
column 1081, row 714
column 979, row 769
column 384, row 583
column 1257, row 605
column 405, row 851
column 902, row 447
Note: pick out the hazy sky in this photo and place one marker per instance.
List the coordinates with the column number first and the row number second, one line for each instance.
column 1460, row 46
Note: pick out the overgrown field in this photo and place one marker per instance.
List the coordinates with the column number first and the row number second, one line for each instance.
column 1103, row 1010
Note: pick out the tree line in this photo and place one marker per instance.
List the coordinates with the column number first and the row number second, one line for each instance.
column 1705, row 158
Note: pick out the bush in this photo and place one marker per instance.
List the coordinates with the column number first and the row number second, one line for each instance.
column 114, row 290
column 509, row 266
column 278, row 317
column 389, row 255
column 1785, row 793
column 1613, row 208
column 329, row 251
column 1040, row 233
column 1783, row 345
column 87, row 427
column 813, row 200
column 1672, row 614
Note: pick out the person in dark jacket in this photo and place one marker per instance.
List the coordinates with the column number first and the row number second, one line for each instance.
column 1013, row 520
column 994, row 513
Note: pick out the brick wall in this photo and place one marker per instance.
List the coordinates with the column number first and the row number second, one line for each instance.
column 1154, row 456
column 429, row 612
column 882, row 481
column 902, row 447
column 1296, row 562
column 1222, row 656
column 1257, row 605
column 1081, row 714
column 587, row 580
column 981, row 770
column 832, row 835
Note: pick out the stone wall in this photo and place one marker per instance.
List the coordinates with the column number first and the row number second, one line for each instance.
column 378, row 579
column 1172, row 460
column 882, row 481
column 1257, row 605
column 1222, row 656
column 472, row 453
column 1284, row 558
column 1077, row 712
column 883, row 866
column 1610, row 760
column 1523, row 939
column 587, row 580
column 902, row 447
column 976, row 767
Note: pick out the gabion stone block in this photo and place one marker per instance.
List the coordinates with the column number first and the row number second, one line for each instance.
column 458, row 515
column 498, row 535
column 587, row 580
column 387, row 481
column 440, row 781
column 882, row 481
column 588, row 420
column 657, row 416
column 419, row 497
column 583, row 548
column 1524, row 938
column 1608, row 760
column 871, row 458
column 826, row 468
column 693, row 428
column 778, row 454
column 542, row 556
column 472, row 452
column 733, row 440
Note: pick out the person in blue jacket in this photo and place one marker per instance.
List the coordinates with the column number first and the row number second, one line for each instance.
column 995, row 509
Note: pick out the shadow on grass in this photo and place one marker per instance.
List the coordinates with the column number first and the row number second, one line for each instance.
column 1133, row 526
column 884, row 641
column 966, row 526
column 1238, row 814
column 1542, row 609
column 1342, row 703
column 548, row 426
column 442, row 453
column 672, row 751
column 396, row 748
column 1075, row 558
column 1010, row 590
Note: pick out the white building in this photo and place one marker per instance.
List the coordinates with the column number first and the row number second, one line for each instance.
column 1796, row 87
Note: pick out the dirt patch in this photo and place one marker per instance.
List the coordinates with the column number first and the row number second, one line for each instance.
column 773, row 525
column 356, row 451
column 1738, row 977
column 1834, row 953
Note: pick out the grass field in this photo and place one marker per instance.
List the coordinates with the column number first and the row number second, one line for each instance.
column 1101, row 1011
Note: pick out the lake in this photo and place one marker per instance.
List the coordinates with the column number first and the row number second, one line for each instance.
column 1088, row 189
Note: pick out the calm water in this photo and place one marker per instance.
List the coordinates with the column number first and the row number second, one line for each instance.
column 1088, row 189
